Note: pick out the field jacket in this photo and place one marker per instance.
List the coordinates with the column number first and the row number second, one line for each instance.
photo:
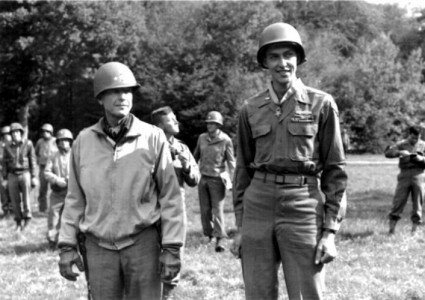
column 45, row 149
column 393, row 151
column 117, row 190
column 300, row 136
column 57, row 169
column 19, row 158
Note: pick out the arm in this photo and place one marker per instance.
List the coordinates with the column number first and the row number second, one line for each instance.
column 51, row 176
column 31, row 159
column 197, row 152
column 190, row 168
column 395, row 151
column 230, row 158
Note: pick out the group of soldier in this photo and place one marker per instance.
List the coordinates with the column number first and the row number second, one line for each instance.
column 123, row 221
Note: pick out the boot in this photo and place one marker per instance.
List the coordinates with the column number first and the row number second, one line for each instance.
column 26, row 222
column 414, row 227
column 392, row 226
column 219, row 246
column 18, row 226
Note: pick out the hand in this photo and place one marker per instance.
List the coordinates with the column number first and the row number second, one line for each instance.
column 416, row 158
column 4, row 183
column 34, row 182
column 184, row 160
column 404, row 153
column 169, row 263
column 326, row 250
column 68, row 257
column 235, row 248
column 61, row 182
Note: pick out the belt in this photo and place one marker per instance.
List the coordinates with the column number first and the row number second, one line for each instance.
column 286, row 178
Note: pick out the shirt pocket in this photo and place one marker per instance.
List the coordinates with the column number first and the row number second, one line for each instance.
column 301, row 144
column 262, row 134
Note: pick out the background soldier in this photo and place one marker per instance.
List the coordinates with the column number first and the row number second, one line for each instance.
column 123, row 194
column 57, row 174
column 19, row 174
column 44, row 148
column 410, row 180
column 6, row 205
column 213, row 150
column 288, row 139
column 186, row 168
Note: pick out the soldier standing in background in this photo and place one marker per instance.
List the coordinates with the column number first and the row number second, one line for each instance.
column 289, row 152
column 213, row 150
column 186, row 168
column 19, row 174
column 44, row 148
column 6, row 204
column 57, row 174
column 124, row 197
column 411, row 178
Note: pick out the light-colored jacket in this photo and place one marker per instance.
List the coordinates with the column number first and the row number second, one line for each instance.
column 117, row 190
column 45, row 149
column 57, row 172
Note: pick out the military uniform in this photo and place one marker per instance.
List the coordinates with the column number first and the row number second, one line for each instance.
column 410, row 180
column 212, row 153
column 287, row 155
column 6, row 204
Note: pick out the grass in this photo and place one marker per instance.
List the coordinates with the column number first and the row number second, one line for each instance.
column 371, row 264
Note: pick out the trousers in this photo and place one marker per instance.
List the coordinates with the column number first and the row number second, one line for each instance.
column 54, row 214
column 212, row 192
column 19, row 193
column 282, row 224
column 129, row 273
column 43, row 190
column 409, row 182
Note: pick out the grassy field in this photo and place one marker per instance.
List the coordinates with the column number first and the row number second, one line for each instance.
column 371, row 264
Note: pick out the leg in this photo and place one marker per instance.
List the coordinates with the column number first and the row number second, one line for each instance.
column 400, row 198
column 5, row 200
column 218, row 193
column 260, row 259
column 44, row 186
column 418, row 191
column 25, row 186
column 205, row 206
column 105, row 273
column 139, row 263
column 15, row 196
column 53, row 217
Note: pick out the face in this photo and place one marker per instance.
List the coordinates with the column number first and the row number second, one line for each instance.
column 281, row 62
column 212, row 127
column 64, row 145
column 16, row 135
column 117, row 103
column 169, row 124
column 46, row 134
column 7, row 137
column 414, row 138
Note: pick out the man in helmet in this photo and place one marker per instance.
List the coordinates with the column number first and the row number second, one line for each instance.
column 44, row 148
column 57, row 174
column 185, row 166
column 6, row 205
column 289, row 152
column 213, row 150
column 124, row 196
column 19, row 174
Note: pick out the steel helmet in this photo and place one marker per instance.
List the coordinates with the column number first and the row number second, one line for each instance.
column 113, row 75
column 280, row 33
column 64, row 134
column 5, row 130
column 214, row 116
column 47, row 127
column 16, row 126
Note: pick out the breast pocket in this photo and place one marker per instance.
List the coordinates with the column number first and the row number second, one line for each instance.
column 301, row 144
column 262, row 134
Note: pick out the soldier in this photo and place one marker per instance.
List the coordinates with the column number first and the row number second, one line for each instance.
column 186, row 168
column 213, row 150
column 44, row 148
column 124, row 196
column 289, row 152
column 57, row 174
column 19, row 174
column 410, row 180
column 6, row 205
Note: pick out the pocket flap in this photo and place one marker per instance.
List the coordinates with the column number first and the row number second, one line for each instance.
column 302, row 129
column 260, row 130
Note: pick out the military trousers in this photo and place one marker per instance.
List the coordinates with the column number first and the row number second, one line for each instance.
column 129, row 273
column 211, row 191
column 43, row 190
column 6, row 204
column 282, row 224
column 19, row 193
column 56, row 204
column 409, row 182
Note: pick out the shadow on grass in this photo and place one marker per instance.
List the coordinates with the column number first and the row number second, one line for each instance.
column 369, row 205
column 355, row 235
column 26, row 248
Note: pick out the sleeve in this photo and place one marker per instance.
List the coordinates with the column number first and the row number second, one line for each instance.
column 49, row 173
column 75, row 201
column 393, row 151
column 5, row 163
column 37, row 150
column 230, row 158
column 197, row 152
column 192, row 177
column 334, row 177
column 173, row 222
column 32, row 159
column 243, row 171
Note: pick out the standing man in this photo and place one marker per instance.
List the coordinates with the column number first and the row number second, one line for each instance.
column 123, row 195
column 213, row 150
column 44, row 148
column 6, row 205
column 289, row 152
column 411, row 178
column 57, row 174
column 19, row 174
column 185, row 165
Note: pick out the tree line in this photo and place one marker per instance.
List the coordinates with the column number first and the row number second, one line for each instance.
column 201, row 56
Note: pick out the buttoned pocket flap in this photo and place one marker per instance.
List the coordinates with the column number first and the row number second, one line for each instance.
column 302, row 129
column 260, row 130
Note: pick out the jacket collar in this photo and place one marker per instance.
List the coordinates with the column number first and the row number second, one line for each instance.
column 297, row 92
column 134, row 130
